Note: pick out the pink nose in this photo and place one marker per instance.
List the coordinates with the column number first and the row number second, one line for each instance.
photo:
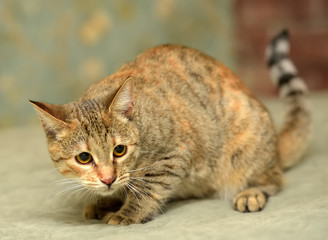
column 108, row 181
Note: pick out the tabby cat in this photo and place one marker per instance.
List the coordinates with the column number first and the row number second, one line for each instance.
column 174, row 124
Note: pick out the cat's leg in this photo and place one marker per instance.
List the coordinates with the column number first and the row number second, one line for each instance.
column 92, row 211
column 148, row 192
column 100, row 208
column 137, row 209
column 255, row 197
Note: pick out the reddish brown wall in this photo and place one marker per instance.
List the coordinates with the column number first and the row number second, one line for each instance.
column 258, row 20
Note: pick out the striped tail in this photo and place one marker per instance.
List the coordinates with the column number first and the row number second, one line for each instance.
column 294, row 134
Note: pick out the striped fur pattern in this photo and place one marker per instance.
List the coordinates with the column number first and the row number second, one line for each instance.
column 295, row 132
column 190, row 128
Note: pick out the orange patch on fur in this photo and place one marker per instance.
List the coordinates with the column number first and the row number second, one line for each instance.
column 186, row 126
column 182, row 147
column 90, row 180
column 236, row 106
column 65, row 172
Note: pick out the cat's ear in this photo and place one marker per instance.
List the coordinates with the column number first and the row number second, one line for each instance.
column 123, row 100
column 52, row 116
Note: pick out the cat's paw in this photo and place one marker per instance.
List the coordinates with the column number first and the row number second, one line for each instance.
column 250, row 200
column 117, row 219
column 92, row 212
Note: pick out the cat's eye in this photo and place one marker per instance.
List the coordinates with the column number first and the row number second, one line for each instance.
column 84, row 158
column 119, row 150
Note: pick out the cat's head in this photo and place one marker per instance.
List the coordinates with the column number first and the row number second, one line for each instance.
column 93, row 141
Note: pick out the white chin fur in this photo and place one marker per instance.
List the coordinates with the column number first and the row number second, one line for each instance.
column 105, row 192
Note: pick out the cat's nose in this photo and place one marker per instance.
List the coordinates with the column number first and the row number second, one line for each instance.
column 108, row 181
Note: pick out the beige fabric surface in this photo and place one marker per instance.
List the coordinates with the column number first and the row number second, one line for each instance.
column 29, row 209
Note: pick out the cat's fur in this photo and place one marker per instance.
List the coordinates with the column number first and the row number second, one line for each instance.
column 192, row 130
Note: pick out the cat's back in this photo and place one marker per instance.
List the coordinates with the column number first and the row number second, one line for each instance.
column 172, row 70
column 178, row 84
column 175, row 66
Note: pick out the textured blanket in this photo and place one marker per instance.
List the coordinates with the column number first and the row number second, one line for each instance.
column 33, row 206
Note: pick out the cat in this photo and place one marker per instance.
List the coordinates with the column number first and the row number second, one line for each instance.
column 176, row 123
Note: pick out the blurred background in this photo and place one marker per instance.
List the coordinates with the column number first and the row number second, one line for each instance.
column 53, row 50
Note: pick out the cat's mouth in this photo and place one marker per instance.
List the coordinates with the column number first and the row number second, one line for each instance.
column 103, row 187
column 106, row 190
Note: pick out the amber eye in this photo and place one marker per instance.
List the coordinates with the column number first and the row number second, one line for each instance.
column 84, row 158
column 119, row 150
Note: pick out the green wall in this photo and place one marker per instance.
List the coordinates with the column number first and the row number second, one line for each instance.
column 53, row 50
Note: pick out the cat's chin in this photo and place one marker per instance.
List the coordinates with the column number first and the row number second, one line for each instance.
column 106, row 193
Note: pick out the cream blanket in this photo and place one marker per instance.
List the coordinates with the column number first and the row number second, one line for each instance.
column 29, row 209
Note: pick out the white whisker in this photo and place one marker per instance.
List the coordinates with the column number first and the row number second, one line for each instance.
column 69, row 189
column 143, row 168
column 146, row 194
column 73, row 193
column 131, row 190
column 85, row 194
column 65, row 181
column 138, row 179
column 89, row 196
column 125, row 192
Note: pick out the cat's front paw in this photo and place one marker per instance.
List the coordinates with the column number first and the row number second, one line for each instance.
column 93, row 212
column 250, row 200
column 117, row 219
